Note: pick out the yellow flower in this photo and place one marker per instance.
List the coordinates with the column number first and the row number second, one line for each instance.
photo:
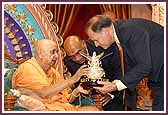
column 29, row 30
column 11, row 8
column 21, row 17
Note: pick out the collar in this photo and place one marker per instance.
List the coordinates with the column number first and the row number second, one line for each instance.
column 115, row 35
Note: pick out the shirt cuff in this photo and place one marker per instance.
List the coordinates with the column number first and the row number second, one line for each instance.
column 119, row 84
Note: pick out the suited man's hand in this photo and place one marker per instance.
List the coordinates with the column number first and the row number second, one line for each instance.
column 107, row 87
column 105, row 99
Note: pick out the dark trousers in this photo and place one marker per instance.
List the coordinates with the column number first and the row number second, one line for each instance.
column 158, row 93
column 158, row 99
column 130, row 100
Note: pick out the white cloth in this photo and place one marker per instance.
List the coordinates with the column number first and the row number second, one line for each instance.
column 119, row 84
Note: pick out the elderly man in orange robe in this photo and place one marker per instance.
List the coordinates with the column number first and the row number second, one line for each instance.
column 43, row 87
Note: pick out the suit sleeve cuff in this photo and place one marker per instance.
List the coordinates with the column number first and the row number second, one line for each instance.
column 119, row 84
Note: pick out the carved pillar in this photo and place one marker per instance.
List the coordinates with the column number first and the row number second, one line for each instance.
column 158, row 13
column 144, row 95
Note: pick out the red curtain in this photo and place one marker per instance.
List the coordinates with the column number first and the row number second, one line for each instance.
column 122, row 11
column 71, row 18
column 64, row 16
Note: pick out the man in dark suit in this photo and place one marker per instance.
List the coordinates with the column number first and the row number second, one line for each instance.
column 74, row 46
column 142, row 42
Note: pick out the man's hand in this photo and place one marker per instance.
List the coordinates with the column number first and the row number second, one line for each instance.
column 81, row 90
column 107, row 87
column 105, row 99
column 81, row 71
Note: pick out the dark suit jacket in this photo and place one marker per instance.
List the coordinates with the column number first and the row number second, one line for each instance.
column 143, row 47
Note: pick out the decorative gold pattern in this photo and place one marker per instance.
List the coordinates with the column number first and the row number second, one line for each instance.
column 15, row 41
column 158, row 13
column 43, row 6
column 55, row 27
column 21, row 17
column 21, row 54
column 63, row 53
column 12, row 34
column 60, row 40
column 11, row 8
column 6, row 54
column 33, row 41
column 46, row 26
column 5, row 20
column 49, row 14
column 8, row 28
column 19, row 47
column 29, row 29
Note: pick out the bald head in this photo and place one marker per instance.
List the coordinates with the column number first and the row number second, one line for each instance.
column 72, row 46
column 72, row 42
column 44, row 44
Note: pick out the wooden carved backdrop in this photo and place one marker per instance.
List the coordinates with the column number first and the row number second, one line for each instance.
column 158, row 13
column 23, row 25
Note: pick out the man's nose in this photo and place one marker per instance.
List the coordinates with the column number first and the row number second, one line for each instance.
column 77, row 58
column 96, row 43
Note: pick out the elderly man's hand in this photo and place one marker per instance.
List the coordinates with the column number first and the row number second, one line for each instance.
column 107, row 87
column 83, row 91
column 83, row 70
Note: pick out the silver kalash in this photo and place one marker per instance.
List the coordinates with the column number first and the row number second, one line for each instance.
column 96, row 72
